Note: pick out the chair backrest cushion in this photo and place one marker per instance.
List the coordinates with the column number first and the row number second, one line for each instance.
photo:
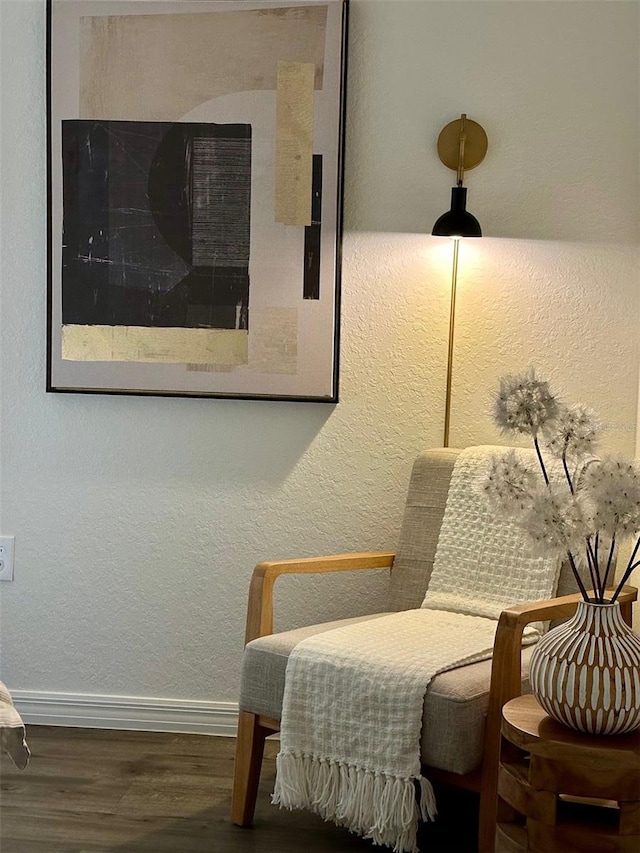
column 424, row 511
column 423, row 514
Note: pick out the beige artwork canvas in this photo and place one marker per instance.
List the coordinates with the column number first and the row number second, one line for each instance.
column 195, row 196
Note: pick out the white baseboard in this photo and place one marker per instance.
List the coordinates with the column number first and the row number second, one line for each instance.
column 126, row 712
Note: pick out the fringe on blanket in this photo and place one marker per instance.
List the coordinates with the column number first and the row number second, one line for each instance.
column 378, row 806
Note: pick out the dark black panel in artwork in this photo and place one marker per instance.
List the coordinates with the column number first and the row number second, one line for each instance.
column 209, row 297
column 156, row 224
column 312, row 233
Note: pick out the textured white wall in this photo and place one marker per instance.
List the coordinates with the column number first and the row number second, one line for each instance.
column 138, row 521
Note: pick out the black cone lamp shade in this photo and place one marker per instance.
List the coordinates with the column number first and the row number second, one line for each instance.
column 457, row 222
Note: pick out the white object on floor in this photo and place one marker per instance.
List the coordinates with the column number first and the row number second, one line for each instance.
column 12, row 730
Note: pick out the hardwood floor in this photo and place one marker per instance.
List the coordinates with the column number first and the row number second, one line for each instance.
column 102, row 791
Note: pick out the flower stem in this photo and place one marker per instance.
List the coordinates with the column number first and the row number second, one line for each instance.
column 566, row 472
column 633, row 555
column 630, row 567
column 625, row 578
column 593, row 567
column 609, row 564
column 540, row 459
column 576, row 574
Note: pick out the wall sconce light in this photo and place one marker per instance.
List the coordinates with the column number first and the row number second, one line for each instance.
column 462, row 145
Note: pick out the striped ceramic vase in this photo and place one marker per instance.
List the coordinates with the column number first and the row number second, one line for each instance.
column 586, row 672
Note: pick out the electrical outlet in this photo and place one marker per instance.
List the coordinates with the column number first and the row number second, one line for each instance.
column 6, row 558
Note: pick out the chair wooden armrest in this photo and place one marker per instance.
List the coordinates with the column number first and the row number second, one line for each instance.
column 260, row 605
column 254, row 728
column 506, row 684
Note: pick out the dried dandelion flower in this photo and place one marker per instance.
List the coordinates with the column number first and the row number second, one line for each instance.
column 524, row 404
column 586, row 512
column 509, row 484
column 556, row 522
column 610, row 494
column 573, row 434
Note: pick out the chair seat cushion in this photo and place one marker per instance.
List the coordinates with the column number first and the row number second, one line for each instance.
column 454, row 708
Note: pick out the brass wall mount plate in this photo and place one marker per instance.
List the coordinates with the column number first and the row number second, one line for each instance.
column 475, row 146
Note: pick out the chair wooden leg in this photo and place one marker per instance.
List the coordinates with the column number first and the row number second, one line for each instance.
column 489, row 779
column 249, row 753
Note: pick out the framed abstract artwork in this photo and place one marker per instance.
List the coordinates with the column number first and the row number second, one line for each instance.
column 195, row 197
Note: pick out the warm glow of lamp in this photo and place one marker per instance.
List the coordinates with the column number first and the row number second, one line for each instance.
column 462, row 144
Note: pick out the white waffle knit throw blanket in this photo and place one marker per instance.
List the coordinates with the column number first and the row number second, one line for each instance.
column 353, row 699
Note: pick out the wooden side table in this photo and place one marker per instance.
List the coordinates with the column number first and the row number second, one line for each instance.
column 560, row 791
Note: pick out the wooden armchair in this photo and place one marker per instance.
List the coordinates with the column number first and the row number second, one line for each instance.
column 461, row 721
